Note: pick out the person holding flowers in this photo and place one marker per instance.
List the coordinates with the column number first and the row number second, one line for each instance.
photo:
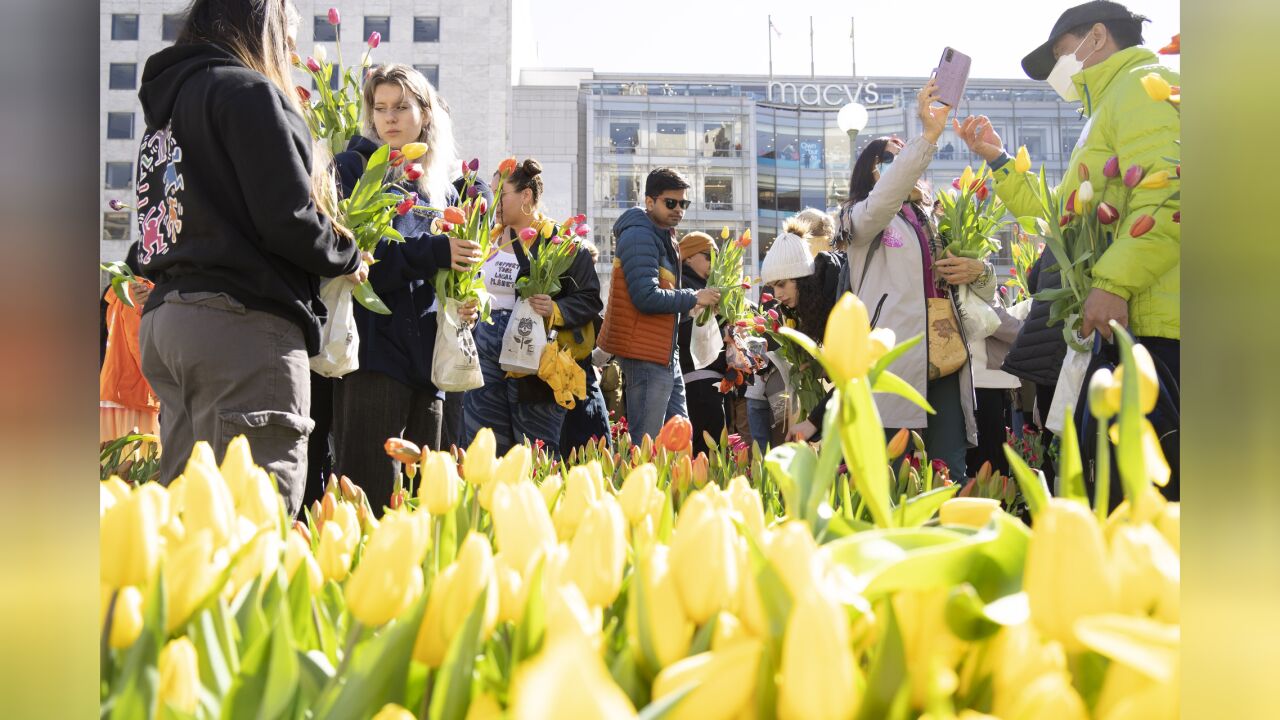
column 897, row 268
column 1120, row 173
column 546, row 264
column 391, row 394
column 701, row 385
column 237, row 213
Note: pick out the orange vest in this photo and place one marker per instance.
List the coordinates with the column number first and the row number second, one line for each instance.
column 629, row 333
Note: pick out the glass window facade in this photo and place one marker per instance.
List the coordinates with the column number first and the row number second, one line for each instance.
column 124, row 26
column 380, row 24
column 431, row 73
column 115, row 225
column 426, row 29
column 170, row 26
column 119, row 125
column 322, row 31
column 119, row 176
column 123, row 76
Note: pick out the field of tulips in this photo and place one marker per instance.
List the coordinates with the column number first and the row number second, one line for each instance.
column 808, row 583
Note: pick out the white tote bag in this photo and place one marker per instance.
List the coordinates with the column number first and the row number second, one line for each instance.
column 1067, row 391
column 976, row 314
column 705, row 343
column 455, row 365
column 339, row 340
column 523, row 341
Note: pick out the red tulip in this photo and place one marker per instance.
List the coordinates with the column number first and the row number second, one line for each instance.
column 1133, row 175
column 582, row 230
column 375, row 37
column 445, row 227
column 1065, row 220
column 1071, row 201
column 766, row 297
column 676, row 435
column 464, row 168
column 528, row 234
column 1112, row 167
column 397, row 158
column 1107, row 214
column 1142, row 226
column 397, row 499
column 303, row 94
column 406, row 205
column 1177, row 169
column 1177, row 216
column 742, row 323
column 759, row 320
column 579, row 218
column 414, row 171
column 956, row 183
column 746, row 286
column 983, row 193
column 744, row 241
column 312, row 65
column 506, row 167
column 334, row 17
column 454, row 215
column 483, row 205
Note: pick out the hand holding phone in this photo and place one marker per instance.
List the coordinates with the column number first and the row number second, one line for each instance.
column 952, row 75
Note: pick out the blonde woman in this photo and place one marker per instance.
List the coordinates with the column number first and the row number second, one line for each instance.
column 391, row 395
column 816, row 227
column 235, row 215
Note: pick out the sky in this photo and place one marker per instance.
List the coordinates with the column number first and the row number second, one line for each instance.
column 731, row 36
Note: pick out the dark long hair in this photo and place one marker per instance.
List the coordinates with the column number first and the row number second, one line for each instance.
column 812, row 306
column 862, row 179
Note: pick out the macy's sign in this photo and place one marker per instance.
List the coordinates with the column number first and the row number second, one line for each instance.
column 814, row 94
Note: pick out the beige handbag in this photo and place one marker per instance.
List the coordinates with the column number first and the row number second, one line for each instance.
column 947, row 353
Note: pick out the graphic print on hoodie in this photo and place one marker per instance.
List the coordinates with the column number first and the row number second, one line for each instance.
column 159, row 182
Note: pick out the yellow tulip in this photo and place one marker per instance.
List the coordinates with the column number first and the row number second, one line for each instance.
column 260, row 504
column 968, row 512
column 126, row 620
column 729, row 630
column 207, row 502
column 792, row 552
column 481, row 458
column 598, row 553
column 568, row 680
column 413, row 150
column 745, row 500
column 1147, row 511
column 1169, row 523
column 514, row 467
column 819, row 673
column 512, row 591
column 1156, row 180
column 179, row 676
column 1156, row 86
column 237, row 467
column 521, row 523
column 1148, row 382
column 1017, row 656
column 724, row 233
column 334, row 553
column 749, row 607
column 636, row 490
column 438, row 492
column 846, row 346
column 297, row 555
column 1049, row 697
column 550, row 489
column 389, row 577
column 926, row 640
column 725, row 682
column 484, row 707
column 113, row 492
column 704, row 563
column 581, row 491
column 1128, row 694
column 191, row 570
column 1104, row 395
column 434, row 634
column 1066, row 535
column 475, row 575
column 259, row 557
column 669, row 630
column 1149, row 571
column 129, row 540
column 966, row 178
column 392, row 711
column 569, row 615
column 1021, row 163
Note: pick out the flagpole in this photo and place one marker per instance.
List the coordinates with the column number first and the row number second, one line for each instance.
column 853, row 57
column 812, row 72
column 769, row 32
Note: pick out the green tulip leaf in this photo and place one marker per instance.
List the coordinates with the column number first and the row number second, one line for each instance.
column 533, row 624
column 862, row 439
column 1031, row 482
column 1070, row 469
column 364, row 294
column 661, row 708
column 965, row 616
column 136, row 684
column 887, row 678
column 376, row 673
column 702, row 639
column 919, row 509
column 452, row 693
column 890, row 384
column 792, row 466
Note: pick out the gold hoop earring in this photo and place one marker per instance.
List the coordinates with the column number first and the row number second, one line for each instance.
column 529, row 212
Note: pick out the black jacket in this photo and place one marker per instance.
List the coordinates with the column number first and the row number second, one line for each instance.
column 580, row 306
column 693, row 282
column 1039, row 349
column 224, row 190
column 831, row 272
column 402, row 344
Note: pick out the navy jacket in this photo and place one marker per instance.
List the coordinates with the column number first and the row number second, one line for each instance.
column 401, row 344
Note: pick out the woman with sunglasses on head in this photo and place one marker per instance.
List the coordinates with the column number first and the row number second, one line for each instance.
column 524, row 408
column 895, row 266
column 236, row 207
column 391, row 394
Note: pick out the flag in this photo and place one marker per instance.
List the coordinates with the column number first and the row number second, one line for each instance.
column 774, row 28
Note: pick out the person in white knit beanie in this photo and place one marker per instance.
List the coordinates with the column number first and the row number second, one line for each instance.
column 788, row 258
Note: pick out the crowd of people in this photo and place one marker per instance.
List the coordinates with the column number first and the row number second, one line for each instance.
column 230, row 311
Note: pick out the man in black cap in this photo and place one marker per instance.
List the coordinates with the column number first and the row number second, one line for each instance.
column 1094, row 55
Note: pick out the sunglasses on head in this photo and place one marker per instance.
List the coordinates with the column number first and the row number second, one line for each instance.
column 671, row 203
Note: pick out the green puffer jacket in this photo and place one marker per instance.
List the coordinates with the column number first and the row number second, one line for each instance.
column 1124, row 121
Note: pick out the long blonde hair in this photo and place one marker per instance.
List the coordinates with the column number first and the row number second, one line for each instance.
column 441, row 163
column 257, row 32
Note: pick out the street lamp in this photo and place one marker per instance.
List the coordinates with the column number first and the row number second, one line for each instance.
column 851, row 119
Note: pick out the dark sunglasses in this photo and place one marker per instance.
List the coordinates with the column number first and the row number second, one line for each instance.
column 671, row 203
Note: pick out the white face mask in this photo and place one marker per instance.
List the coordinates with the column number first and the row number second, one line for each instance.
column 1065, row 69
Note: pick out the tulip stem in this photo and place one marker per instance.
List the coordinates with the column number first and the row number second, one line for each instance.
column 106, row 628
column 1102, row 473
column 436, row 522
column 475, row 509
column 352, row 636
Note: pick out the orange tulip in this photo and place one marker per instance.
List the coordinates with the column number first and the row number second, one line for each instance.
column 1174, row 47
column 454, row 215
column 1142, row 226
column 402, row 450
column 676, row 435
column 506, row 167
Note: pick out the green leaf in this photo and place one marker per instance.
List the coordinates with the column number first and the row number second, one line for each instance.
column 644, row 628
column 1130, row 458
column 136, row 684
column 215, row 672
column 1031, row 482
column 533, row 624
column 659, row 709
column 863, row 445
column 891, row 384
column 315, row 673
column 965, row 614
column 452, row 693
column 828, row 461
column 376, row 673
column 1070, row 469
column 792, row 467
column 364, row 294
column 888, row 675
column 920, row 508
column 888, row 358
column 702, row 639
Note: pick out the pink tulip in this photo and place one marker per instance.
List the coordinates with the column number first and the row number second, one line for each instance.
column 773, row 314
column 557, row 240
column 1107, row 214
column 464, row 167
column 582, row 230
column 1112, row 167
column 334, row 17
column 117, row 205
column 375, row 38
column 1133, row 175
column 742, row 323
column 312, row 65
column 528, row 234
column 580, row 218
column 766, row 297
column 414, row 171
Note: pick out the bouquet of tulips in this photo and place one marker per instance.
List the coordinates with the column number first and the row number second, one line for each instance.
column 473, row 219
column 726, row 276
column 971, row 216
column 1025, row 253
column 803, row 375
column 554, row 257
column 335, row 115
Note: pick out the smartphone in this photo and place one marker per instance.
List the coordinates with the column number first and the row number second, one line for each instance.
column 952, row 74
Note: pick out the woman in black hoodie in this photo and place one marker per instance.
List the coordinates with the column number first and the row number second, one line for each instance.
column 236, row 233
column 392, row 395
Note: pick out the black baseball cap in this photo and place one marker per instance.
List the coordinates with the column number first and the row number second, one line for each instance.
column 1040, row 62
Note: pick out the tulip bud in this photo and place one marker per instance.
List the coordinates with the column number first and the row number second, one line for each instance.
column 967, row 511
column 528, row 234
column 1157, row 87
column 479, row 462
column 126, row 617
column 724, row 233
column 335, row 550
column 669, row 630
column 414, row 171
column 303, row 94
column 506, row 167
column 1133, row 176
column 396, row 157
column 312, row 65
column 465, row 170
column 639, row 485
column 1050, row 695
column 375, row 38
column 522, row 524
column 676, row 434
column 1066, row 534
column 582, row 230
column 1022, row 162
column 845, row 343
column 898, row 444
column 1082, row 171
column 438, row 492
column 766, row 297
column 745, row 500
column 598, row 553
column 410, row 201
column 295, row 59
column 818, row 678
column 1155, row 181
column 1177, row 216
column 983, row 193
column 445, row 227
column 389, row 577
column 724, row 682
column 1103, row 402
column 334, row 18
column 699, row 469
column 1111, row 168
column 414, row 150
column 550, row 489
column 1107, row 214
column 1142, row 226
column 1083, row 196
column 703, row 560
column 129, row 540
column 179, row 667
column 474, row 165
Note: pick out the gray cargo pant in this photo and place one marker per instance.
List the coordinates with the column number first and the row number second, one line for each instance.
column 222, row 370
